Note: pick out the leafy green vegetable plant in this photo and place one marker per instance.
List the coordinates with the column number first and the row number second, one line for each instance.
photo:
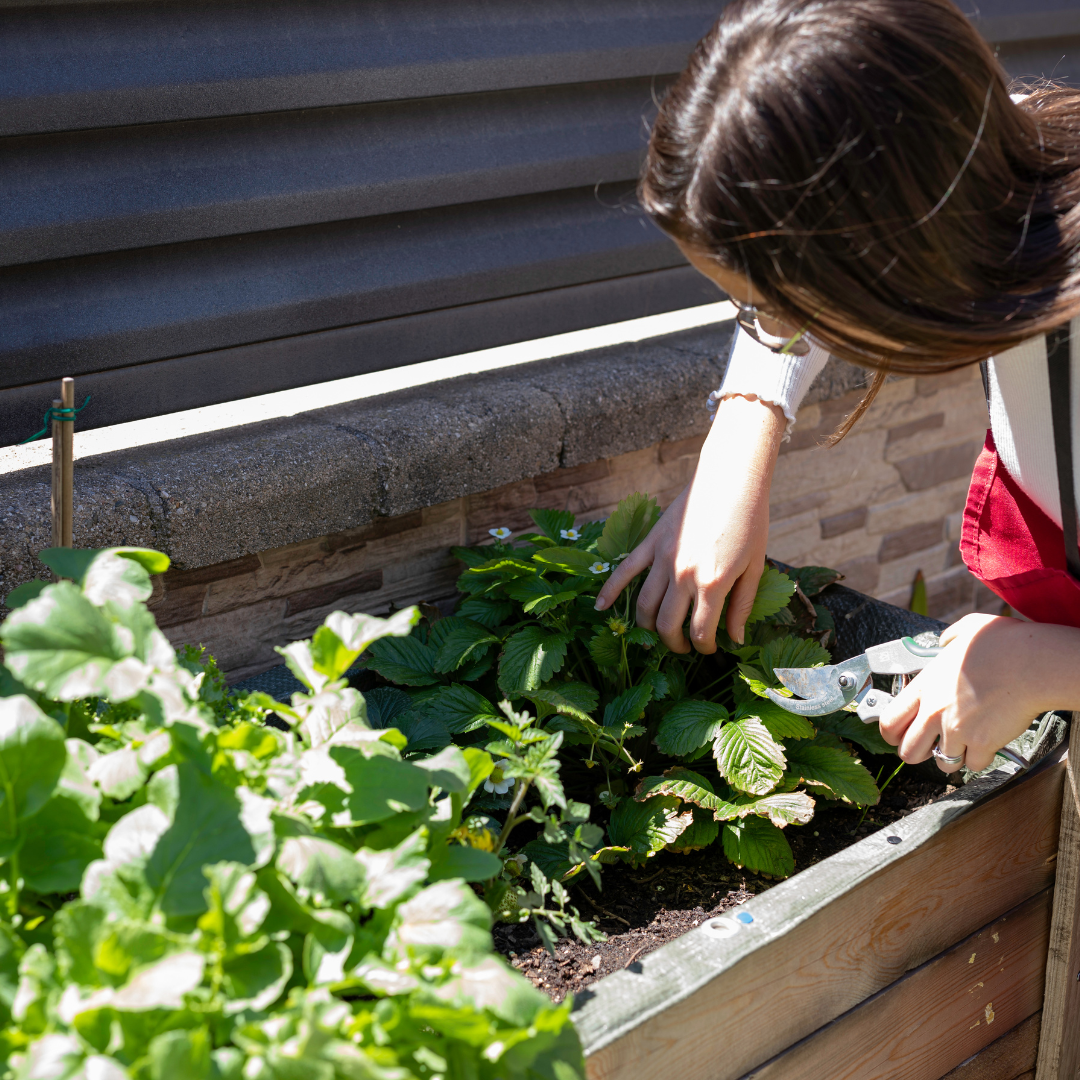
column 683, row 751
column 187, row 891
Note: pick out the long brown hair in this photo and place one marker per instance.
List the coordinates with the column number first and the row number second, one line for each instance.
column 862, row 162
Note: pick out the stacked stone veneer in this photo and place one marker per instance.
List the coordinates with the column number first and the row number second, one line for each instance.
column 274, row 525
column 888, row 500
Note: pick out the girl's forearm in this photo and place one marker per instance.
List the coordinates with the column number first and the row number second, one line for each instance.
column 1050, row 662
column 744, row 440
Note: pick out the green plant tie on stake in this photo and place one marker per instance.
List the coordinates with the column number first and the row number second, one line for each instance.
column 51, row 414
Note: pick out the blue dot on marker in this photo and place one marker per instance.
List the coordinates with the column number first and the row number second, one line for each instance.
column 745, row 917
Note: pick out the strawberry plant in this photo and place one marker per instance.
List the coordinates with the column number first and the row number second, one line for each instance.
column 684, row 751
column 186, row 891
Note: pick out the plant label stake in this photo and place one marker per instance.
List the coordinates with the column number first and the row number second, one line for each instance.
column 63, row 477
column 57, row 475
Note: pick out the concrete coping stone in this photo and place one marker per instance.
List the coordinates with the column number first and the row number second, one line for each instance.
column 226, row 494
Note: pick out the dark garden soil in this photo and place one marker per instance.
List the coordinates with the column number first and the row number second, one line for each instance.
column 641, row 909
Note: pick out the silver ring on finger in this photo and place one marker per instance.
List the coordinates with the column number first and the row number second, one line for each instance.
column 945, row 759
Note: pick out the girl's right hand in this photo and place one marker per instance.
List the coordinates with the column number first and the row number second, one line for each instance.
column 711, row 540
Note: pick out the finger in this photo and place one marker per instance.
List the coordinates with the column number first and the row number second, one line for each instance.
column 898, row 715
column 623, row 574
column 948, row 634
column 977, row 758
column 705, row 618
column 743, row 593
column 918, row 741
column 672, row 615
column 951, row 745
column 652, row 596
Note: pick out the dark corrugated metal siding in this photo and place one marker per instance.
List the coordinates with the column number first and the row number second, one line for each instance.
column 204, row 201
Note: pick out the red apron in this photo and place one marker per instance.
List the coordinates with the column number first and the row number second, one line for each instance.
column 1010, row 545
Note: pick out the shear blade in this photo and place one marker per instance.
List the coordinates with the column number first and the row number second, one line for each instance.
column 824, row 689
column 818, row 687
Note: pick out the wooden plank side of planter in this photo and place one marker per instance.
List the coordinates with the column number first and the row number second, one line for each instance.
column 936, row 1016
column 1059, row 1047
column 1009, row 1057
column 706, row 1007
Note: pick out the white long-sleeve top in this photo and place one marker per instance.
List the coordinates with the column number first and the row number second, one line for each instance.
column 1019, row 404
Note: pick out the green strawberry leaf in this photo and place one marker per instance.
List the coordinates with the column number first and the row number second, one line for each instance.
column 689, row 786
column 834, row 769
column 812, row 579
column 688, row 725
column 459, row 640
column 568, row 699
column 646, row 827
column 384, row 705
column 568, row 559
column 605, row 648
column 748, row 757
column 847, row 725
column 404, row 660
column 629, row 524
column 791, row 652
column 758, row 845
column 702, row 832
column 553, row 522
column 529, row 658
column 458, row 708
column 781, row 808
column 628, row 707
column 780, row 723
column 773, row 592
column 489, row 613
column 538, row 595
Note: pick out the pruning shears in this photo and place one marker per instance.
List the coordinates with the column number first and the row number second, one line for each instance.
column 824, row 690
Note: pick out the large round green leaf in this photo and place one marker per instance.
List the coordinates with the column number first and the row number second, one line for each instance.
column 32, row 756
column 61, row 645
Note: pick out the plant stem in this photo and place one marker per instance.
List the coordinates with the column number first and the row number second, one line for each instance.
column 866, row 808
column 519, row 795
column 891, row 775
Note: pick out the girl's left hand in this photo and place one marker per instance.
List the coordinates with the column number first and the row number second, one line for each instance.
column 996, row 675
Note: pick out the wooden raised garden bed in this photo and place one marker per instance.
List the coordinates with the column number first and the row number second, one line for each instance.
column 901, row 956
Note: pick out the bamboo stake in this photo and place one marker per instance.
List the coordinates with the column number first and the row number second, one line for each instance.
column 57, row 477
column 67, row 443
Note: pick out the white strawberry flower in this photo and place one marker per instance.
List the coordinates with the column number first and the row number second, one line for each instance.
column 497, row 783
column 570, row 534
column 501, row 533
column 599, row 567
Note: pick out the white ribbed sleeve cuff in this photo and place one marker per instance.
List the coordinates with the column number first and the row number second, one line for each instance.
column 755, row 371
